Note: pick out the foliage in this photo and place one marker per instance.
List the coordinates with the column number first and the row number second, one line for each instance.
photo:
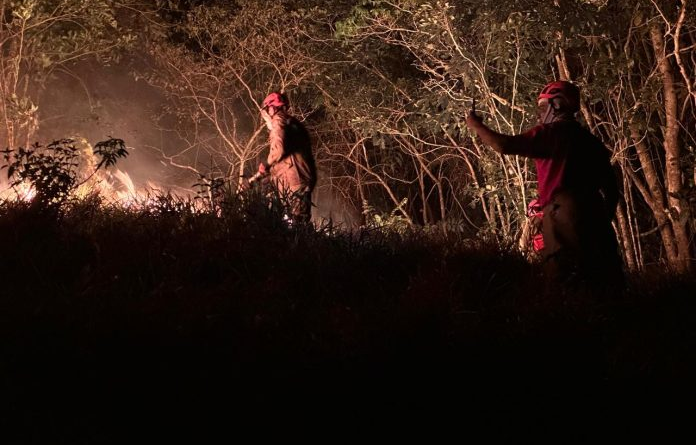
column 53, row 171
column 390, row 222
column 109, row 152
column 502, row 55
column 216, row 63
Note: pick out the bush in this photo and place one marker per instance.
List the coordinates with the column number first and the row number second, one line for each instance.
column 53, row 171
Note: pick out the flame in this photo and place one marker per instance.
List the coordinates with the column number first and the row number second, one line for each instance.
column 121, row 190
column 21, row 192
column 125, row 192
column 126, row 180
column 115, row 186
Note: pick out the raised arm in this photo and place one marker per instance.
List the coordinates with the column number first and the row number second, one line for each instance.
column 497, row 141
column 532, row 144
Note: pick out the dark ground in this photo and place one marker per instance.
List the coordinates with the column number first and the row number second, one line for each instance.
column 190, row 325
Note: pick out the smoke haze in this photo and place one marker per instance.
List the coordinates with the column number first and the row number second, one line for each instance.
column 96, row 102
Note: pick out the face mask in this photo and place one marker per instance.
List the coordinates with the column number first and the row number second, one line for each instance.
column 268, row 113
column 550, row 111
column 544, row 111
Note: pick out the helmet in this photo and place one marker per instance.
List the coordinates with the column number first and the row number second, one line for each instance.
column 567, row 93
column 275, row 100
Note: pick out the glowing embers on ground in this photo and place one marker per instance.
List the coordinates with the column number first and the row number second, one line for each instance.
column 118, row 188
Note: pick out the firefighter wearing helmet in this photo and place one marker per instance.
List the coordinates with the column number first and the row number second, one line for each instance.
column 577, row 187
column 290, row 164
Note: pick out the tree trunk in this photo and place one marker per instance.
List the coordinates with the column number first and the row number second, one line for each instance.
column 652, row 193
column 626, row 239
column 678, row 208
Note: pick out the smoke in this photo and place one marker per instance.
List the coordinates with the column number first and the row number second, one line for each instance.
column 329, row 207
column 95, row 102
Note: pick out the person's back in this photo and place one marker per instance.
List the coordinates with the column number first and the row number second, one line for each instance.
column 588, row 172
column 582, row 199
column 290, row 158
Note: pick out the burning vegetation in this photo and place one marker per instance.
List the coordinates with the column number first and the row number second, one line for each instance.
column 68, row 169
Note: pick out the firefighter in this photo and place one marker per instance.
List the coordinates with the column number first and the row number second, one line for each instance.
column 577, row 186
column 290, row 164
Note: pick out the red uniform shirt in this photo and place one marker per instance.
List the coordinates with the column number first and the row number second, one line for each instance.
column 568, row 157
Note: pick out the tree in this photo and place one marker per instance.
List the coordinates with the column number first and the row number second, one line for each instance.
column 644, row 107
column 39, row 38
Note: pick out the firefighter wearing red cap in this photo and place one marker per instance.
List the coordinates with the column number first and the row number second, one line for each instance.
column 577, row 186
column 290, row 163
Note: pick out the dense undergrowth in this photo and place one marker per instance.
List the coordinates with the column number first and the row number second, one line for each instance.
column 166, row 309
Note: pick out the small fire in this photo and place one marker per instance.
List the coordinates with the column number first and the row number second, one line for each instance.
column 123, row 190
column 126, row 180
column 21, row 192
column 114, row 185
column 117, row 188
